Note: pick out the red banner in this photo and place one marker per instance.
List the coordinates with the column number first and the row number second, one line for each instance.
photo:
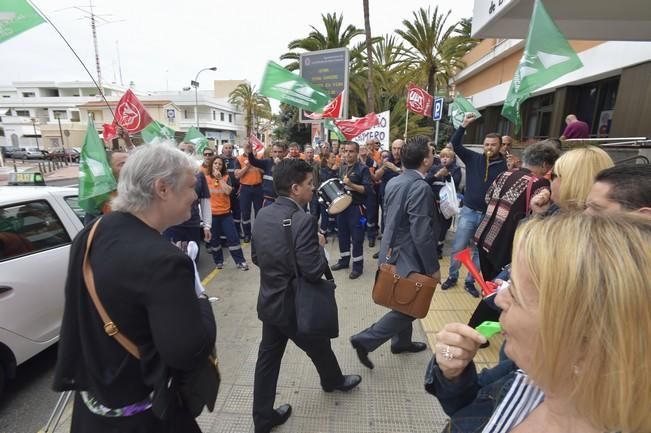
column 333, row 110
column 352, row 128
column 131, row 114
column 256, row 144
column 419, row 101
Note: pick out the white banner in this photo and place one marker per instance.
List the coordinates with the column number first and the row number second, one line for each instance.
column 380, row 131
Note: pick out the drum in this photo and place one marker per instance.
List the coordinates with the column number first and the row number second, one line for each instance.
column 333, row 195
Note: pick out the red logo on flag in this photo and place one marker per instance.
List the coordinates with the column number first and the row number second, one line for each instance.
column 352, row 128
column 131, row 114
column 256, row 143
column 419, row 101
column 333, row 110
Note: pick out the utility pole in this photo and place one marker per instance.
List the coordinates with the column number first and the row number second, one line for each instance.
column 97, row 65
column 117, row 48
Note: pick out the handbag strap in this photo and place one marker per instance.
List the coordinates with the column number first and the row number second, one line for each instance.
column 287, row 228
column 110, row 327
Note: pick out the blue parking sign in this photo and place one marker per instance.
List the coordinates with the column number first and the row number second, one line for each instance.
column 438, row 108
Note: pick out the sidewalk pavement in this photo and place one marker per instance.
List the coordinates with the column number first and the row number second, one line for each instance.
column 390, row 399
column 70, row 172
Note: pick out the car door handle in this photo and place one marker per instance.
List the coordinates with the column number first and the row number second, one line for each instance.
column 4, row 289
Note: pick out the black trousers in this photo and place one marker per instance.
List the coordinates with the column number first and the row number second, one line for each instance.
column 484, row 310
column 267, row 368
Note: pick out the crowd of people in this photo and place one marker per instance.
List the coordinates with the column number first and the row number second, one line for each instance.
column 565, row 237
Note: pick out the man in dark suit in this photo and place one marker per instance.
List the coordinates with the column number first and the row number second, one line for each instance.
column 270, row 252
column 414, row 247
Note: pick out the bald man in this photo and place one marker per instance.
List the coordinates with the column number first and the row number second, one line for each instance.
column 575, row 128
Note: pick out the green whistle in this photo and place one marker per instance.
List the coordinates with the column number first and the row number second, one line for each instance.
column 488, row 329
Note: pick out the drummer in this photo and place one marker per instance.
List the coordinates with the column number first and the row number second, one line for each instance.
column 329, row 170
column 357, row 180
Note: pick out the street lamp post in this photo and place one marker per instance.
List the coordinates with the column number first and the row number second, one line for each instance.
column 33, row 119
column 195, row 83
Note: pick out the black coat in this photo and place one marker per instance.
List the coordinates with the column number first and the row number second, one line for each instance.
column 271, row 253
column 147, row 287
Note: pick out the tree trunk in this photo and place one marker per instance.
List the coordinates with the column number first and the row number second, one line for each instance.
column 370, row 94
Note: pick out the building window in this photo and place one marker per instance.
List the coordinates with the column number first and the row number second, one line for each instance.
column 29, row 94
column 22, row 113
column 61, row 114
column 221, row 116
column 185, row 114
column 74, row 116
column 54, row 142
column 214, row 115
column 230, row 118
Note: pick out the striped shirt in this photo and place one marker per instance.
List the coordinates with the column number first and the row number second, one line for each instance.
column 521, row 399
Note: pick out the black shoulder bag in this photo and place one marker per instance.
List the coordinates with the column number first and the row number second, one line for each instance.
column 315, row 303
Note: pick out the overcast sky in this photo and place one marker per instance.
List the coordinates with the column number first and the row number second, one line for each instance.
column 164, row 43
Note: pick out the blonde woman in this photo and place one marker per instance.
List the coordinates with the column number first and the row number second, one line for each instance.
column 577, row 323
column 572, row 178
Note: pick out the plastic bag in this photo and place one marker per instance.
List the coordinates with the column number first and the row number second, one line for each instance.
column 449, row 204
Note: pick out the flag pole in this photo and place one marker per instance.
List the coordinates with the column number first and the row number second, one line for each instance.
column 406, row 120
column 78, row 58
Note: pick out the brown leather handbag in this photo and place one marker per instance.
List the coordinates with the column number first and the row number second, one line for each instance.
column 410, row 295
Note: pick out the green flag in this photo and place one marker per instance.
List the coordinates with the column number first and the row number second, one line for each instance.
column 157, row 131
column 197, row 138
column 96, row 179
column 547, row 56
column 285, row 86
column 17, row 16
column 329, row 124
column 458, row 109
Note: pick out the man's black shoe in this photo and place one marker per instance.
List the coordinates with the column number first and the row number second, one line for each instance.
column 376, row 255
column 282, row 415
column 338, row 266
column 362, row 354
column 470, row 288
column 350, row 382
column 354, row 275
column 414, row 347
column 448, row 283
column 371, row 243
column 379, row 237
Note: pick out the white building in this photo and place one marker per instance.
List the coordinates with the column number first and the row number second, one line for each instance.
column 27, row 108
column 48, row 114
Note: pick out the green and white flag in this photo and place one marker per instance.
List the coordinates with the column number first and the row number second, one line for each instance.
column 17, row 16
column 547, row 56
column 285, row 86
column 96, row 181
column 330, row 125
column 197, row 138
column 458, row 109
column 157, row 131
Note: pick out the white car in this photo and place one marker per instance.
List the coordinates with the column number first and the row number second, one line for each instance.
column 37, row 225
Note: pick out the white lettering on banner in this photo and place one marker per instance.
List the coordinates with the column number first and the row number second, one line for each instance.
column 380, row 131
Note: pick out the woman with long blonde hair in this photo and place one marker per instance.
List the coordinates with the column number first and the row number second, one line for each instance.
column 577, row 323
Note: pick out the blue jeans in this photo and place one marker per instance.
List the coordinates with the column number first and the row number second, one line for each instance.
column 467, row 225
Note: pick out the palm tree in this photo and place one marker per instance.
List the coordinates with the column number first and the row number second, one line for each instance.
column 316, row 41
column 370, row 97
column 430, row 48
column 252, row 103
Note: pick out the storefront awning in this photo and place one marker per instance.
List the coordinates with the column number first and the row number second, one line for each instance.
column 601, row 20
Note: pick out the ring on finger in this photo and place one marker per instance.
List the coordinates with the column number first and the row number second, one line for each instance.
column 447, row 354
